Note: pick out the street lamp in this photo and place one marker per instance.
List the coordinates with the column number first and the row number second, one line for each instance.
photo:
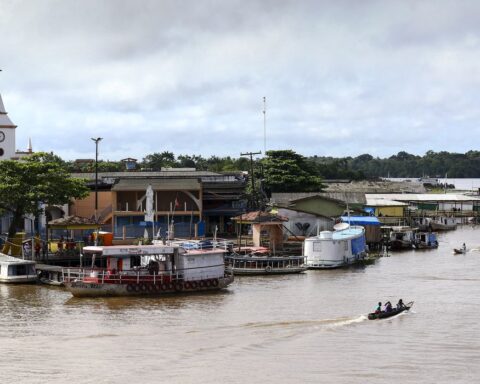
column 96, row 177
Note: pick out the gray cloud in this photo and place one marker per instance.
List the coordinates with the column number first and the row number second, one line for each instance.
column 341, row 78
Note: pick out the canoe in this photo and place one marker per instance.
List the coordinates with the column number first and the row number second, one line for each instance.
column 393, row 312
column 459, row 251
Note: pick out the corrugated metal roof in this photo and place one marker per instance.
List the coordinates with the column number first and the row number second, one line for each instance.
column 375, row 202
column 423, row 197
column 142, row 175
column 157, row 185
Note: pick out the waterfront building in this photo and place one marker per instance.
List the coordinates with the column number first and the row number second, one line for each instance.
column 194, row 202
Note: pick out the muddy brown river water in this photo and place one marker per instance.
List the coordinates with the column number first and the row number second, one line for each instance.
column 307, row 328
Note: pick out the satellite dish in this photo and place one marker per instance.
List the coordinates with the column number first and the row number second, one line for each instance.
column 341, row 226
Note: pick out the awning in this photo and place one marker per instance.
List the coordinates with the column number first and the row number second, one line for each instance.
column 361, row 220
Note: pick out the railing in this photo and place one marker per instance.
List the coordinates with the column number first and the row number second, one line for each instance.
column 101, row 276
column 96, row 275
column 245, row 263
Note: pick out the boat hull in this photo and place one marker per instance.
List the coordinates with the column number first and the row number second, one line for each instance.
column 19, row 280
column 92, row 289
column 386, row 315
column 401, row 244
column 265, row 271
column 442, row 227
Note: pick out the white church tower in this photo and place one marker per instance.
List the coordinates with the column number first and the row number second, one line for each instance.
column 7, row 135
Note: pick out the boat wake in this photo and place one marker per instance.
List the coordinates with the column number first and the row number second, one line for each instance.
column 327, row 323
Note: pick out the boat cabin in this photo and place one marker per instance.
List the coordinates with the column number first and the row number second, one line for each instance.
column 14, row 270
column 159, row 260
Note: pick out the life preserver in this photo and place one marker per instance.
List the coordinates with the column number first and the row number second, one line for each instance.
column 143, row 287
column 136, row 287
column 150, row 287
column 130, row 288
column 164, row 287
column 201, row 283
column 178, row 287
column 268, row 268
column 188, row 285
column 193, row 284
column 157, row 287
column 215, row 282
column 208, row 283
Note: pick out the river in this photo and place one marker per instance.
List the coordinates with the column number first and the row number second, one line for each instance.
column 307, row 328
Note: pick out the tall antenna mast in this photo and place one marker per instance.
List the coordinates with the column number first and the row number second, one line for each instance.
column 265, row 125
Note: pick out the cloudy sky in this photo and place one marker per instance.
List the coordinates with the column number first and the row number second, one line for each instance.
column 340, row 77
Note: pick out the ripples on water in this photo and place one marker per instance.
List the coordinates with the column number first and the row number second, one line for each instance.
column 306, row 328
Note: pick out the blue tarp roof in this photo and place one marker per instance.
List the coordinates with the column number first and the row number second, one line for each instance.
column 361, row 220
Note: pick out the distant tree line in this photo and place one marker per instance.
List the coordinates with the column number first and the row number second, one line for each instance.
column 288, row 171
column 403, row 164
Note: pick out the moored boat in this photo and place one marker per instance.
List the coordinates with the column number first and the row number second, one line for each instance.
column 345, row 245
column 401, row 237
column 147, row 270
column 264, row 265
column 443, row 224
column 14, row 270
column 426, row 240
column 393, row 312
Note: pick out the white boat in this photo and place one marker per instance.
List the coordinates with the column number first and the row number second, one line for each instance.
column 443, row 224
column 147, row 270
column 14, row 270
column 345, row 245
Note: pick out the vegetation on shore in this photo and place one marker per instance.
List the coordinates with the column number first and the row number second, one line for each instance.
column 38, row 180
column 403, row 164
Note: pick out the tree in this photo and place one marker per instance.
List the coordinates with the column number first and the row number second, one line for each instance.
column 39, row 178
column 287, row 171
column 157, row 160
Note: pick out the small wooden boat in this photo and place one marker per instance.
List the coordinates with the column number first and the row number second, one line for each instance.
column 393, row 312
column 460, row 251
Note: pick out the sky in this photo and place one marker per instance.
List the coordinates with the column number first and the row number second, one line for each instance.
column 341, row 78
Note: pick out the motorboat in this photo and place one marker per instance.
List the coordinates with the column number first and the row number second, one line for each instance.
column 332, row 249
column 393, row 312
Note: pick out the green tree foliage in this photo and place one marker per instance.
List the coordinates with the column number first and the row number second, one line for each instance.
column 156, row 161
column 287, row 171
column 39, row 178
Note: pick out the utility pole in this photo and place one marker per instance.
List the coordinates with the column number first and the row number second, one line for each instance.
column 96, row 177
column 265, row 125
column 251, row 167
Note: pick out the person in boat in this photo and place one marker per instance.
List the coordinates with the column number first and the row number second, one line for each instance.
column 464, row 248
column 400, row 304
column 388, row 306
column 379, row 308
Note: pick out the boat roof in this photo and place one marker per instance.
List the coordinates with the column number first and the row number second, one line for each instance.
column 347, row 233
column 361, row 220
column 133, row 250
column 13, row 260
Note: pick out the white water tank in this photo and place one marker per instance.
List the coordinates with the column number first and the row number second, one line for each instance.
column 326, row 235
